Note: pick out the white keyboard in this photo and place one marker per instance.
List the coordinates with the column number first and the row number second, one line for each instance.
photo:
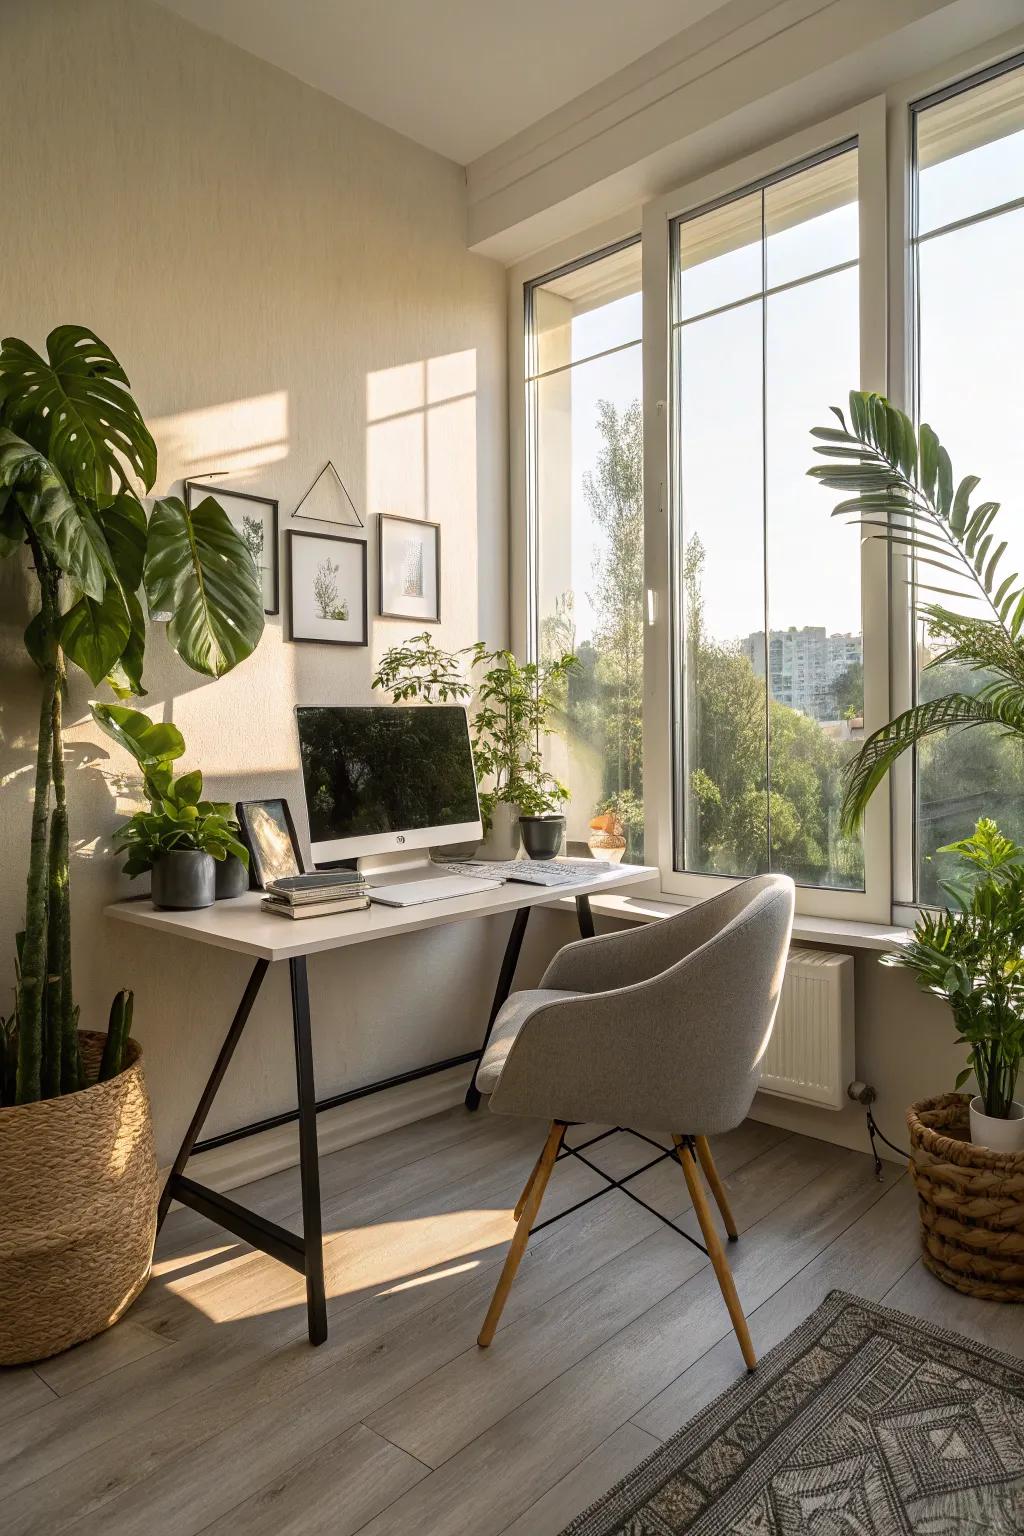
column 536, row 871
column 413, row 893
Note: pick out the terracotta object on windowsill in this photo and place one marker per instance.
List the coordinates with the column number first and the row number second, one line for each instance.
column 606, row 840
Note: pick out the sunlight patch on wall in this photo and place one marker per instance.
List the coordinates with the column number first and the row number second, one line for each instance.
column 421, row 440
column 236, row 435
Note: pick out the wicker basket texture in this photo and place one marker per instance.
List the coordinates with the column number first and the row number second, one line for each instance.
column 78, row 1194
column 971, row 1202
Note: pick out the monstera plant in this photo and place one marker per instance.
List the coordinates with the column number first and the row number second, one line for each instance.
column 75, row 460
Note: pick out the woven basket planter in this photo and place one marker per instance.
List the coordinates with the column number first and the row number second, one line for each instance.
column 971, row 1202
column 78, row 1194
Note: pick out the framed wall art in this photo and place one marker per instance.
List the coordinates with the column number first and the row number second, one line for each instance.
column 409, row 566
column 327, row 589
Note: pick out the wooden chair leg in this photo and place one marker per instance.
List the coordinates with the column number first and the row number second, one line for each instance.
column 716, row 1253
column 521, row 1202
column 532, row 1197
column 717, row 1188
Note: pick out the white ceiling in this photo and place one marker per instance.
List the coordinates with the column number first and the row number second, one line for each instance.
column 459, row 76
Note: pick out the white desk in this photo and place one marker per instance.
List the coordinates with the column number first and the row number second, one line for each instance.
column 240, row 925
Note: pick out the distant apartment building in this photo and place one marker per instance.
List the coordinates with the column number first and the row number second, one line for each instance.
column 803, row 665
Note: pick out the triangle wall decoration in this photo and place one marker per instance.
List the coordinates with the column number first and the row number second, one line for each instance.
column 327, row 501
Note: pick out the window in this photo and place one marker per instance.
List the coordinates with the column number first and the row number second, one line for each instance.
column 585, row 493
column 969, row 257
column 769, row 676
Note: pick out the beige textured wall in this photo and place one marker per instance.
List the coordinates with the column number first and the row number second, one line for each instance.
column 285, row 281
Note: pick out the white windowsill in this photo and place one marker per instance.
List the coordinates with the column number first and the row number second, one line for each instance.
column 843, row 932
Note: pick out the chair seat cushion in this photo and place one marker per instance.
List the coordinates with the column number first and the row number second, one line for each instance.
column 507, row 1025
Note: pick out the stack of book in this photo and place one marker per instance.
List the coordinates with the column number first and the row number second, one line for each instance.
column 336, row 890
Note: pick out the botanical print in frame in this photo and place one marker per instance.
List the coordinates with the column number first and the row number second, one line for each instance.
column 327, row 580
column 409, row 551
column 255, row 519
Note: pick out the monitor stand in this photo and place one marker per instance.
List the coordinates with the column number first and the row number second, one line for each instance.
column 379, row 868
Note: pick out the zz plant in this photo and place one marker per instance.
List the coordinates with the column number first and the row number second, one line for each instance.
column 74, row 451
column 513, row 708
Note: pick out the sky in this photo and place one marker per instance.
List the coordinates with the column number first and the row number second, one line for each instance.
column 972, row 346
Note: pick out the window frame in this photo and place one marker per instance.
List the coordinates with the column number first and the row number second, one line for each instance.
column 867, row 126
column 883, row 128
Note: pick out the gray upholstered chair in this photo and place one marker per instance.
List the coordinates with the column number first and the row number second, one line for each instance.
column 662, row 1026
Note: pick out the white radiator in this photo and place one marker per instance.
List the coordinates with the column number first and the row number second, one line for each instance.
column 810, row 1056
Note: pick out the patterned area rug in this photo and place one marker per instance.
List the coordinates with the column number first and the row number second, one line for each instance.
column 863, row 1422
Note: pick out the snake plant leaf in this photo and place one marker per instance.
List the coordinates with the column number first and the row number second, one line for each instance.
column 65, row 528
column 148, row 741
column 201, row 578
column 124, row 527
column 93, row 635
column 75, row 405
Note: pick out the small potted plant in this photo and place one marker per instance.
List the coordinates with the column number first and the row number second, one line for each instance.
column 971, row 954
column 184, row 840
column 514, row 702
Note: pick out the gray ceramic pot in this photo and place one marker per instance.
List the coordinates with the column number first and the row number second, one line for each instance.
column 542, row 835
column 232, row 878
column 184, row 880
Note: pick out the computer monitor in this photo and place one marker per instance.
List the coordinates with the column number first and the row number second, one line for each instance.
column 385, row 779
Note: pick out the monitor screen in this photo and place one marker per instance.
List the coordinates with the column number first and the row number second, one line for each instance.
column 371, row 773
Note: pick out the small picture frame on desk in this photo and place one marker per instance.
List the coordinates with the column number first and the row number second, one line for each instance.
column 269, row 834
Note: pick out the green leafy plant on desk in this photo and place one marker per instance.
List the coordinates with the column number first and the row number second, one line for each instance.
column 511, row 707
column 76, row 458
column 178, row 820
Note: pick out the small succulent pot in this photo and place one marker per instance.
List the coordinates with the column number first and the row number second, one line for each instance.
column 995, row 1132
column 542, row 835
column 231, row 878
column 184, row 880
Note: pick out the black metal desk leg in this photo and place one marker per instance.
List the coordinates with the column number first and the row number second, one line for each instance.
column 505, row 977
column 584, row 917
column 309, row 1159
column 227, row 1050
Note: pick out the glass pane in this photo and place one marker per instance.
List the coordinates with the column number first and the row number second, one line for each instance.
column 588, row 310
column 772, row 665
column 810, row 220
column 970, row 152
column 589, row 522
column 971, row 339
column 719, row 257
column 816, row 672
column 722, row 524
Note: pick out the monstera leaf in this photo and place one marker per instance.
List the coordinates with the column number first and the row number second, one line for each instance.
column 93, row 635
column 66, row 529
column 200, row 577
column 75, row 406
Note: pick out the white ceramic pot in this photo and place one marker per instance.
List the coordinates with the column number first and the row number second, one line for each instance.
column 502, row 841
column 996, row 1134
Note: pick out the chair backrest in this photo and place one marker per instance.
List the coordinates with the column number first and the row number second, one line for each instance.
column 679, row 1050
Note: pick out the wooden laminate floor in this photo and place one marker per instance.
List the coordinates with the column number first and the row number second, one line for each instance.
column 205, row 1410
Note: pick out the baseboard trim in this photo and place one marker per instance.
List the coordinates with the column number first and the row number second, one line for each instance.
column 242, row 1162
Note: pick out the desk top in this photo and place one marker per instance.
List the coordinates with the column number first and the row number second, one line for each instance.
column 241, row 925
